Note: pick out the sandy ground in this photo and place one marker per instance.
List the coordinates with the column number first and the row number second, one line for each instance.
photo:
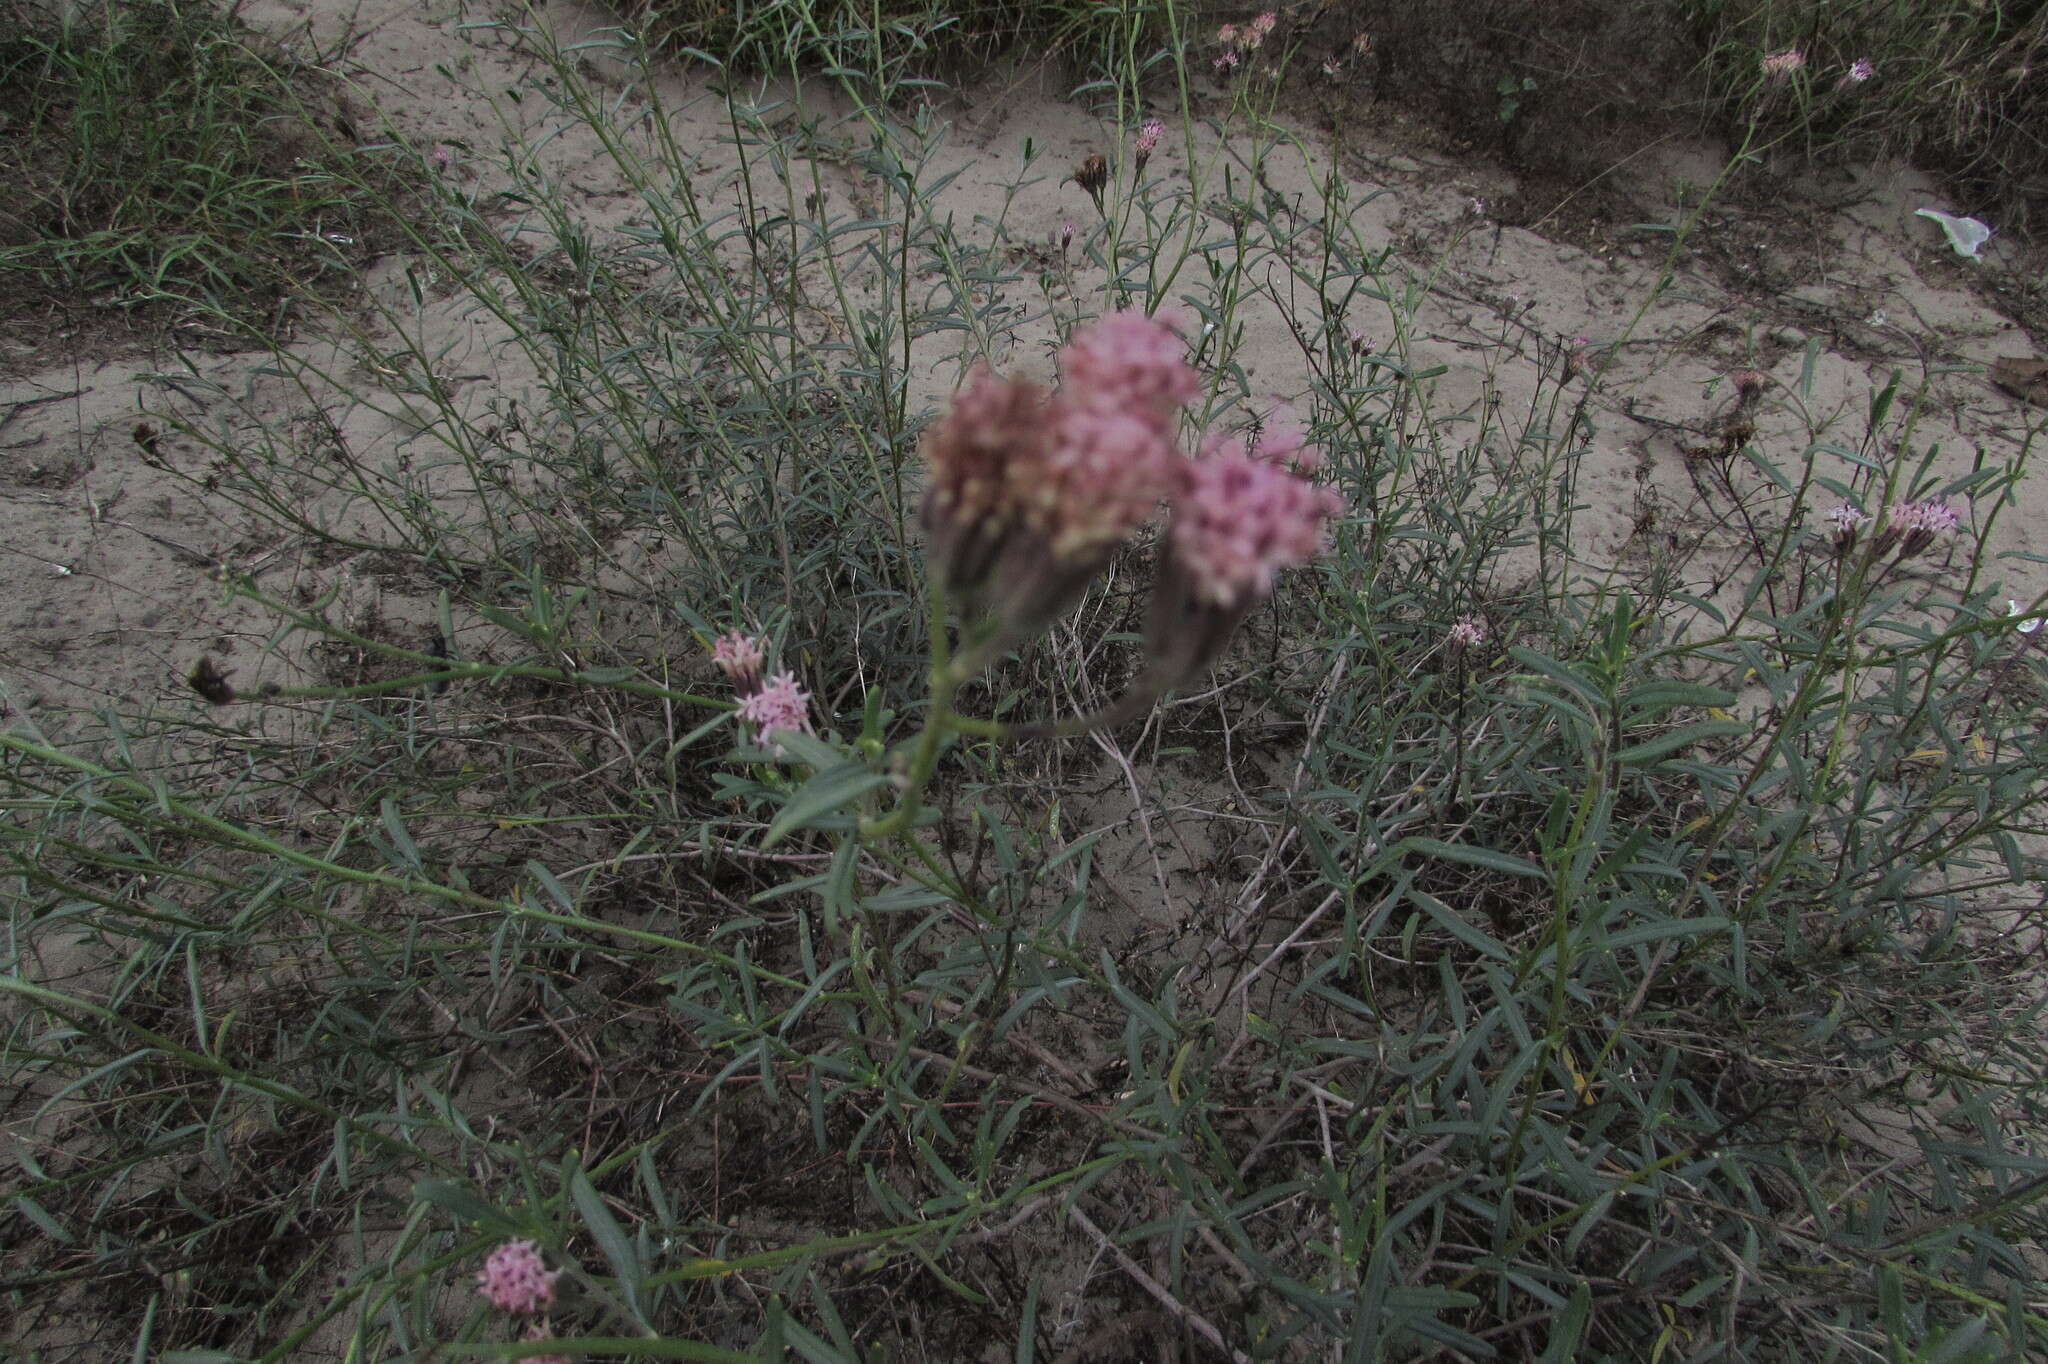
column 108, row 549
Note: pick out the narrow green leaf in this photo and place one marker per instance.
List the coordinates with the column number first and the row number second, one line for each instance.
column 1471, row 856
column 460, row 1201
column 1685, row 736
column 610, row 1237
column 1564, row 1337
column 830, row 790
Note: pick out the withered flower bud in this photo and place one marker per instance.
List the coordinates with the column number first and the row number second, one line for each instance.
column 1092, row 175
column 210, row 682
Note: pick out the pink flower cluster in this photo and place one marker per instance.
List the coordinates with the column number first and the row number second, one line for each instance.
column 515, row 1281
column 1779, row 65
column 1918, row 524
column 1031, row 493
column 780, row 705
column 1147, row 141
column 1847, row 520
column 1468, row 633
column 1239, row 43
column 1238, row 520
column 740, row 657
column 1934, row 517
column 771, row 705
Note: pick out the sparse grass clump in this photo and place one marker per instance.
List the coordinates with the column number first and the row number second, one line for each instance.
column 1502, row 954
column 912, row 42
column 156, row 158
column 1962, row 87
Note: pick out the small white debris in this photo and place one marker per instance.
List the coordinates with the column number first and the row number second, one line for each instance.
column 1966, row 235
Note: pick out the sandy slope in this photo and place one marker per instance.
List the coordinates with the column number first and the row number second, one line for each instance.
column 108, row 549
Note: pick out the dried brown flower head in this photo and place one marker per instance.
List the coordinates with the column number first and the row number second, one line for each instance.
column 210, row 682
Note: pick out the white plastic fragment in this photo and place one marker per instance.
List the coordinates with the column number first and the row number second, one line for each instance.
column 1966, row 235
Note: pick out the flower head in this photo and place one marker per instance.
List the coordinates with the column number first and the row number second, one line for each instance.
column 514, row 1280
column 740, row 658
column 1468, row 633
column 1030, row 494
column 1749, row 384
column 1847, row 519
column 780, row 705
column 1128, row 362
column 1226, row 61
column 1779, row 65
column 1859, row 71
column 1148, row 141
column 989, row 445
column 1916, row 525
column 1092, row 175
column 1237, row 522
column 1227, row 35
column 1257, row 30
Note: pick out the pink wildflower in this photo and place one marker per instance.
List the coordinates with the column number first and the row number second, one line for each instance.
column 1237, row 522
column 1105, row 474
column 1749, row 384
column 989, row 443
column 1030, row 495
column 1847, row 519
column 780, row 705
column 1148, row 142
column 1859, row 71
column 1226, row 62
column 444, row 157
column 1778, row 65
column 1468, row 633
column 740, row 658
column 1066, row 238
column 513, row 1280
column 1256, row 32
column 1913, row 526
column 1227, row 35
column 1129, row 363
